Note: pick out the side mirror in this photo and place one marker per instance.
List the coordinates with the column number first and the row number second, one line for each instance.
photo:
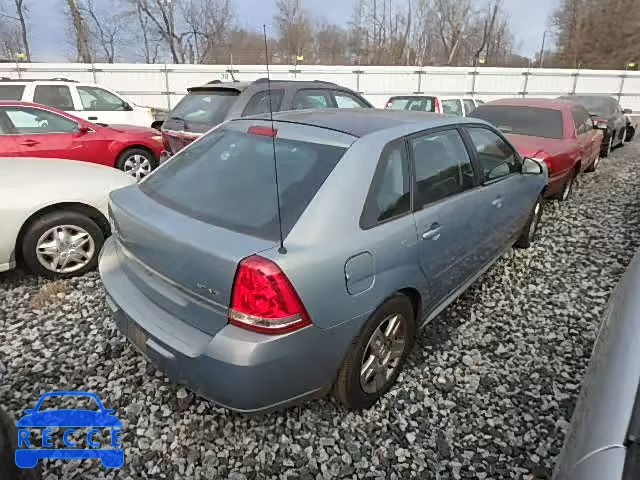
column 531, row 167
column 627, row 111
column 83, row 129
column 127, row 107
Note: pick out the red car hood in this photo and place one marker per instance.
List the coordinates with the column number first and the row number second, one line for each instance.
column 133, row 129
column 532, row 146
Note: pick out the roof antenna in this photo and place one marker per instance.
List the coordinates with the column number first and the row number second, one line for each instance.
column 281, row 250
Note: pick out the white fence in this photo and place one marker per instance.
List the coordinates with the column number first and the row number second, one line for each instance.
column 163, row 85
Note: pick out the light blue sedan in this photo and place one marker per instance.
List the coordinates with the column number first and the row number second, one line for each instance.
column 256, row 293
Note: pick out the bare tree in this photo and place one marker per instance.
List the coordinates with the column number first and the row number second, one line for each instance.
column 162, row 17
column 294, row 30
column 208, row 24
column 83, row 49
column 21, row 10
column 105, row 27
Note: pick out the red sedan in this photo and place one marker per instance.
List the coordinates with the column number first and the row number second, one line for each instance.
column 33, row 130
column 559, row 133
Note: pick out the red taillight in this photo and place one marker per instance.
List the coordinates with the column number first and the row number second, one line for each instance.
column 263, row 299
column 436, row 107
column 264, row 131
column 549, row 164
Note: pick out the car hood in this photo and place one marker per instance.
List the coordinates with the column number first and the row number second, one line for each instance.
column 533, row 146
column 131, row 129
column 69, row 418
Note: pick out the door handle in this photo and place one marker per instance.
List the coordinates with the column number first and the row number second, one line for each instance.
column 93, row 118
column 497, row 202
column 29, row 143
column 433, row 233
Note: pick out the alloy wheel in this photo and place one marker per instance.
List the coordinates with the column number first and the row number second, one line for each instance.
column 138, row 166
column 65, row 248
column 383, row 353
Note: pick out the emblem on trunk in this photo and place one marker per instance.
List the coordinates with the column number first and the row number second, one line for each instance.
column 211, row 291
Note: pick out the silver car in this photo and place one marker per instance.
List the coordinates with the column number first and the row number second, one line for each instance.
column 604, row 439
column 257, row 293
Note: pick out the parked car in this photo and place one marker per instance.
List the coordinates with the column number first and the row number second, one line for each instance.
column 559, row 133
column 91, row 102
column 31, row 130
column 209, row 105
column 460, row 106
column 603, row 441
column 226, row 304
column 608, row 116
column 54, row 214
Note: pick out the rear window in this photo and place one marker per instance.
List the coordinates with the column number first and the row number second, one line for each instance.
column 420, row 104
column 594, row 105
column 11, row 92
column 199, row 111
column 530, row 121
column 227, row 179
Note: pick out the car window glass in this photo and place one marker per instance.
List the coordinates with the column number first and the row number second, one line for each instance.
column 346, row 100
column 578, row 120
column 305, row 99
column 57, row 96
column 389, row 196
column 35, row 121
column 469, row 106
column 100, row 100
column 11, row 92
column 530, row 121
column 497, row 158
column 452, row 107
column 259, row 103
column 201, row 109
column 442, row 166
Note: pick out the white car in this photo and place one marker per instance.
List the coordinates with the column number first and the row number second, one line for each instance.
column 54, row 214
column 459, row 106
column 94, row 103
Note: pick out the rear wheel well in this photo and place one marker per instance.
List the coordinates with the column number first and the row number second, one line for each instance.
column 577, row 168
column 81, row 208
column 141, row 147
column 416, row 302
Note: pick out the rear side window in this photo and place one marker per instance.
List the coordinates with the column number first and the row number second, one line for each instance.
column 469, row 106
column 305, row 99
column 201, row 110
column 57, row 96
column 452, row 107
column 346, row 100
column 11, row 92
column 442, row 166
column 259, row 103
column 582, row 120
column 227, row 179
column 531, row 121
column 389, row 195
column 419, row 104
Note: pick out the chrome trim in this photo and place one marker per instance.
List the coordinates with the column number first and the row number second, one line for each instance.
column 264, row 322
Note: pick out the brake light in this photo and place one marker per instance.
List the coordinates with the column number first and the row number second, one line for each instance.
column 264, row 131
column 263, row 299
column 549, row 165
column 601, row 123
column 437, row 106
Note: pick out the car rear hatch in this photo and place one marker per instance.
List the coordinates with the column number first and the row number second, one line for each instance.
column 202, row 109
column 181, row 233
column 414, row 103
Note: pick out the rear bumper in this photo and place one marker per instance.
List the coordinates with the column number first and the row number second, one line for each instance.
column 238, row 369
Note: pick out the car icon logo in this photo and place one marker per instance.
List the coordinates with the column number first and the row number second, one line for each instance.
column 68, row 420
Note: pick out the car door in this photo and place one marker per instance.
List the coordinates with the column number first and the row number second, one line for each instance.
column 502, row 200
column 102, row 106
column 41, row 133
column 445, row 213
column 593, row 136
column 344, row 99
column 580, row 133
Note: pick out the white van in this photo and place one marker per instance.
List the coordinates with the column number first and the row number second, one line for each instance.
column 92, row 102
column 460, row 106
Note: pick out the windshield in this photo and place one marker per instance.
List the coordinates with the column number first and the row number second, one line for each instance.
column 595, row 105
column 199, row 111
column 530, row 121
column 421, row 104
column 227, row 179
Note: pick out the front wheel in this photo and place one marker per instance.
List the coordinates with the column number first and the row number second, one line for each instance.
column 137, row 162
column 630, row 133
column 606, row 151
column 376, row 356
column 530, row 229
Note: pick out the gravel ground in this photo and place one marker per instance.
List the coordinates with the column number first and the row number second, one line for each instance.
column 487, row 392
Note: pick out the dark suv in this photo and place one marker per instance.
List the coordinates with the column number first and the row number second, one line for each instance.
column 211, row 104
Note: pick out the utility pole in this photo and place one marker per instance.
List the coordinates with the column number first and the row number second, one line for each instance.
column 544, row 37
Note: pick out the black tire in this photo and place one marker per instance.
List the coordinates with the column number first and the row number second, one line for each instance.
column 606, row 150
column 631, row 132
column 592, row 168
column 137, row 155
column 623, row 137
column 348, row 388
column 567, row 189
column 45, row 223
column 528, row 233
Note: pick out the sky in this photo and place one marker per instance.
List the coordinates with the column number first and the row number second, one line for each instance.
column 49, row 28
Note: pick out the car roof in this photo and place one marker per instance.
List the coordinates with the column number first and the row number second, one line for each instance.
column 240, row 86
column 550, row 104
column 359, row 122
